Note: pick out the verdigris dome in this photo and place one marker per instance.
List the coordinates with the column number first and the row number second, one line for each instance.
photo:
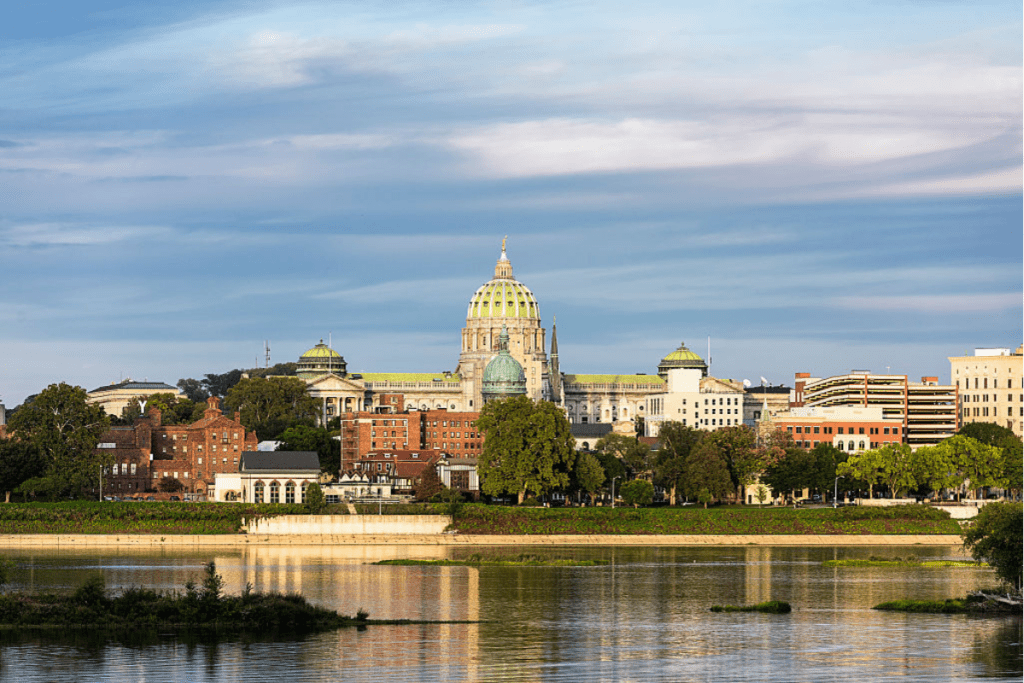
column 503, row 296
column 681, row 358
column 320, row 360
column 503, row 376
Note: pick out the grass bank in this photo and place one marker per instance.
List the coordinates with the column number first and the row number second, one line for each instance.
column 910, row 561
column 87, row 517
column 972, row 604
column 907, row 519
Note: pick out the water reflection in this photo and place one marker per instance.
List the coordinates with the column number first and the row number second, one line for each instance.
column 642, row 617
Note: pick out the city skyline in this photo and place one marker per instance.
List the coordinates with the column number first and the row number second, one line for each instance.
column 814, row 188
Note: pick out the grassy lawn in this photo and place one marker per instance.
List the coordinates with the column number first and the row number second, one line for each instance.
column 911, row 519
column 84, row 517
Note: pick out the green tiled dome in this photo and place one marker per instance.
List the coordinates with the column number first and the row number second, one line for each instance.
column 503, row 376
column 681, row 358
column 502, row 298
column 320, row 360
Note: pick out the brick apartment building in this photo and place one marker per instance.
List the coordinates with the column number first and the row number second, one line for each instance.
column 148, row 451
column 437, row 430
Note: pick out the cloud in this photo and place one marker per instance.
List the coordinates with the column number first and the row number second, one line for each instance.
column 62, row 234
column 937, row 303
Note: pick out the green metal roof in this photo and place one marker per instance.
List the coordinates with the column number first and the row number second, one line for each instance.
column 407, row 377
column 614, row 379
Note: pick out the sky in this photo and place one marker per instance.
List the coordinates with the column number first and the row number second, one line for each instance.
column 800, row 186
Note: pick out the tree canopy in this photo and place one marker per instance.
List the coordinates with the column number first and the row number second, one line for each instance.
column 269, row 406
column 305, row 438
column 65, row 429
column 995, row 536
column 676, row 442
column 528, row 448
column 587, row 474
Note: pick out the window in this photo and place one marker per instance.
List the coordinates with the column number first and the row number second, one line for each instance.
column 861, row 431
column 840, row 430
column 257, row 492
column 275, row 492
column 289, row 492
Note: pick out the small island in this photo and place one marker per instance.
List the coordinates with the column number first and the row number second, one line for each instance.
column 909, row 561
column 200, row 608
column 770, row 607
column 478, row 560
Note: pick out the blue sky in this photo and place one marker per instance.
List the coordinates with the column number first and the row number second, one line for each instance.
column 815, row 186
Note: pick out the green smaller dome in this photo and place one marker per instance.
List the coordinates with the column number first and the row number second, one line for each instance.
column 503, row 375
column 320, row 360
column 681, row 358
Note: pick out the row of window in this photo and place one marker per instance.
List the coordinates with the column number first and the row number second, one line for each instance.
column 801, row 429
column 984, row 398
column 984, row 383
column 983, row 412
column 275, row 492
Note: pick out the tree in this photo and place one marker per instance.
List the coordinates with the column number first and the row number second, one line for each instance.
column 637, row 492
column 65, row 429
column 19, row 462
column 676, row 442
column 175, row 410
column 761, row 493
column 305, row 438
column 970, row 461
column 706, row 473
column 170, row 484
column 995, row 536
column 1012, row 448
column 193, row 390
column 129, row 413
column 587, row 474
column 270, row 406
column 528, row 447
column 634, row 454
column 737, row 448
column 315, row 499
column 893, row 465
column 220, row 385
column 428, row 485
column 794, row 471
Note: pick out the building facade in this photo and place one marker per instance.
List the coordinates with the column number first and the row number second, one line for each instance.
column 849, row 428
column 927, row 410
column 991, row 387
column 114, row 398
column 192, row 454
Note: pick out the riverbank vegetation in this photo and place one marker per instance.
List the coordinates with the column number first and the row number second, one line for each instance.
column 198, row 607
column 479, row 560
column 910, row 519
column 977, row 603
column 770, row 607
column 85, row 517
column 909, row 561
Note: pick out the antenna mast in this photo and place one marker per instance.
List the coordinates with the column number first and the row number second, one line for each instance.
column 266, row 353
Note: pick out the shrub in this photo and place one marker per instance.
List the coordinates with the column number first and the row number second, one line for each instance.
column 995, row 537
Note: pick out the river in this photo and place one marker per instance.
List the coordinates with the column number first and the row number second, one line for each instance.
column 643, row 617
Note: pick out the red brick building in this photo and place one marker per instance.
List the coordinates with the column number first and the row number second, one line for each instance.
column 402, row 468
column 848, row 428
column 452, row 433
column 148, row 451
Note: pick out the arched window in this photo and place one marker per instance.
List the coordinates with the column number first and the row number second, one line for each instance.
column 862, row 445
column 257, row 492
column 275, row 492
column 289, row 492
column 305, row 485
column 851, row 446
column 840, row 444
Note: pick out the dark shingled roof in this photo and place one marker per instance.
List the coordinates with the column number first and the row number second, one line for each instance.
column 279, row 460
column 132, row 384
column 584, row 430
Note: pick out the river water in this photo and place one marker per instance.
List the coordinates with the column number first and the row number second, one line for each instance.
column 643, row 617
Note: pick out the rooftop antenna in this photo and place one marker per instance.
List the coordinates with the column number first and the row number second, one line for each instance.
column 330, row 356
column 709, row 354
column 266, row 353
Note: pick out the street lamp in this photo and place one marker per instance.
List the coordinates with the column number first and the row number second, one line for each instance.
column 613, row 491
column 835, row 492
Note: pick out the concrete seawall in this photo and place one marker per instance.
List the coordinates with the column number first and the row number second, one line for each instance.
column 71, row 541
column 349, row 525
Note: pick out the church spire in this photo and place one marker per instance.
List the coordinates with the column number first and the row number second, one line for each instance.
column 556, row 375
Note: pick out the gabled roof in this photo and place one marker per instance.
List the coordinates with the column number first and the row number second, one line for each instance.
column 254, row 461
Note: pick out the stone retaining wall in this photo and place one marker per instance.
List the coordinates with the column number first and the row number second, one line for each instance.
column 349, row 525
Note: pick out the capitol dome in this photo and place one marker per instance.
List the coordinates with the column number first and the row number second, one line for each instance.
column 681, row 358
column 503, row 296
column 320, row 360
column 503, row 376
